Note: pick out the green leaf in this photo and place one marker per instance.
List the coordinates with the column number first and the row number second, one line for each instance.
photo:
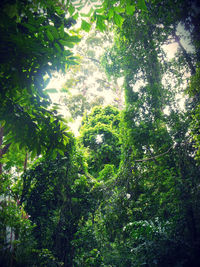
column 74, row 199
column 119, row 9
column 49, row 36
column 66, row 43
column 122, row 2
column 53, row 31
column 33, row 154
column 75, row 16
column 100, row 10
column 97, row 6
column 58, row 47
column 118, row 20
column 130, row 9
column 100, row 23
column 71, row 38
column 141, row 5
column 68, row 53
column 62, row 31
column 65, row 140
column 71, row 9
column 85, row 26
column 61, row 152
column 74, row 39
column 110, row 13
column 30, row 27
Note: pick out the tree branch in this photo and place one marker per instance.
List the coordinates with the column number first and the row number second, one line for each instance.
column 153, row 158
column 94, row 60
column 90, row 58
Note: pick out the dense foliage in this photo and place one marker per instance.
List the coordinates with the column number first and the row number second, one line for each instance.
column 100, row 136
column 125, row 192
column 32, row 46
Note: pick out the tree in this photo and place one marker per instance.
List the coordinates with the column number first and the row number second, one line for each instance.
column 33, row 44
column 56, row 195
column 126, row 194
column 100, row 137
column 154, row 179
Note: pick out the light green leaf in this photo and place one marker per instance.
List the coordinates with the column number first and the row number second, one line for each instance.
column 130, row 9
column 119, row 9
column 97, row 6
column 71, row 9
column 100, row 23
column 85, row 26
column 118, row 20
column 75, row 16
column 100, row 10
column 65, row 140
column 110, row 13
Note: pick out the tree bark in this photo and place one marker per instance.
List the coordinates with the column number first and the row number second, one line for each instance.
column 25, row 161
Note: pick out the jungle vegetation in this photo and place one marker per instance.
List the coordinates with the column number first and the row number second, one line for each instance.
column 126, row 190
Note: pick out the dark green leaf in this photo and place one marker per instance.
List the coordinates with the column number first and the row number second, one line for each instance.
column 57, row 46
column 49, row 36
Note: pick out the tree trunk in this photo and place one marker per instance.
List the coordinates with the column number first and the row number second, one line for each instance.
column 25, row 162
